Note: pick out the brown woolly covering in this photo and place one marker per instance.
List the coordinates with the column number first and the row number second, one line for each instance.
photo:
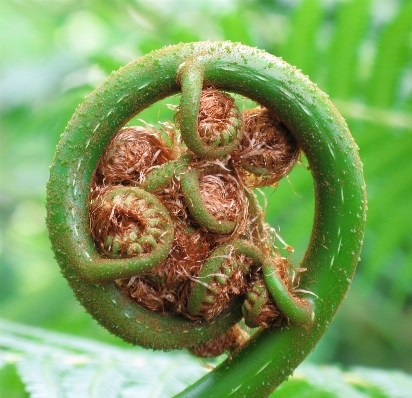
column 229, row 341
column 172, row 198
column 217, row 113
column 222, row 195
column 268, row 150
column 144, row 291
column 130, row 155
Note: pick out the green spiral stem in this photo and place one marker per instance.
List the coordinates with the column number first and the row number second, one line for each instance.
column 336, row 240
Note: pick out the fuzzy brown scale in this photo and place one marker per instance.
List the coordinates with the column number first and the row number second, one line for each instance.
column 130, row 154
column 268, row 150
column 115, row 226
column 219, row 120
column 222, row 196
column 231, row 340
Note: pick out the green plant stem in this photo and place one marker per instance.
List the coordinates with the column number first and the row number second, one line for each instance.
column 298, row 311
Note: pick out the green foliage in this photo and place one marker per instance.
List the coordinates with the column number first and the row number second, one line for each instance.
column 58, row 365
column 333, row 382
column 360, row 52
column 63, row 366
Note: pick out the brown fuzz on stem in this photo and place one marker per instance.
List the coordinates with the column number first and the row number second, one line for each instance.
column 145, row 292
column 229, row 341
column 268, row 150
column 222, row 196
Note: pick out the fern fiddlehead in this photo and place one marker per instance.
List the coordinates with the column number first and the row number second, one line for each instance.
column 340, row 206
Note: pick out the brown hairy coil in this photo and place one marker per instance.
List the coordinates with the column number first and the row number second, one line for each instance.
column 229, row 341
column 172, row 279
column 112, row 222
column 130, row 155
column 266, row 144
column 222, row 195
column 224, row 294
column 217, row 112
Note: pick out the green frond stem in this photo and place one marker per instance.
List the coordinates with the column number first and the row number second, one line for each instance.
column 162, row 176
column 298, row 311
column 190, row 76
column 193, row 199
column 255, row 212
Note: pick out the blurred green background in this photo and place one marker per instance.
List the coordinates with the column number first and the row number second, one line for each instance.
column 54, row 53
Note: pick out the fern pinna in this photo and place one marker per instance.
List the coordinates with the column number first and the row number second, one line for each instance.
column 161, row 236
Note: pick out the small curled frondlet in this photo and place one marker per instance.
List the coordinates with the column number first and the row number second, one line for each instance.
column 227, row 284
column 268, row 314
column 130, row 154
column 124, row 225
column 167, row 288
column 219, row 119
column 268, row 150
